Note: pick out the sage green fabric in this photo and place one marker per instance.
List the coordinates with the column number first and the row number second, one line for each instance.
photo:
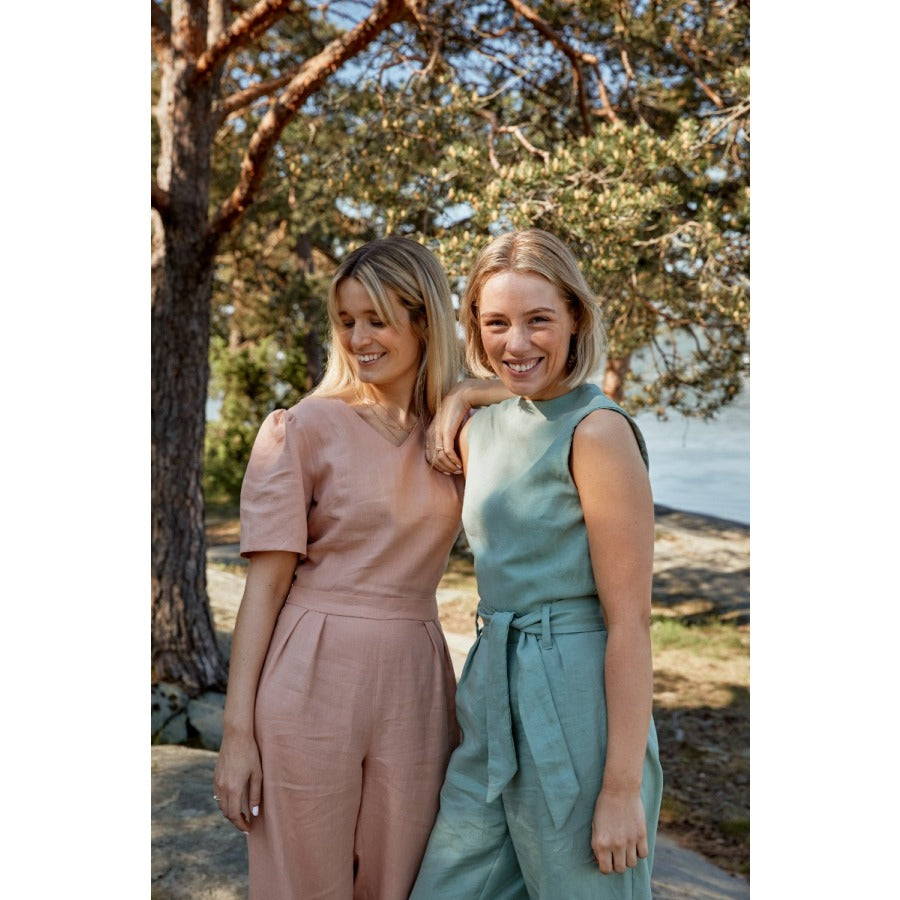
column 521, row 510
column 518, row 798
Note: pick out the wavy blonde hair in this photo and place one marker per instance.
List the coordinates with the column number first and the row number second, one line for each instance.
column 415, row 276
column 541, row 253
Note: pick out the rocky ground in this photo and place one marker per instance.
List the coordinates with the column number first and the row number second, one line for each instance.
column 701, row 709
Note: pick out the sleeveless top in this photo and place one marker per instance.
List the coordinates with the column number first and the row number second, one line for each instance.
column 521, row 511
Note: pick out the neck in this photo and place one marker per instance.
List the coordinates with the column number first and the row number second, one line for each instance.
column 397, row 403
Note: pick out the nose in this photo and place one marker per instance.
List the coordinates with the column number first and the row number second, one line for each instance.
column 517, row 339
column 360, row 335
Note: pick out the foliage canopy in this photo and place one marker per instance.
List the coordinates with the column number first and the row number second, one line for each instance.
column 623, row 127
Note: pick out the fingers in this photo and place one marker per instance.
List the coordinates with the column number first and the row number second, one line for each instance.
column 229, row 804
column 440, row 437
column 237, row 806
column 630, row 860
column 448, row 453
column 447, row 461
column 643, row 848
column 442, row 456
column 604, row 862
column 620, row 860
column 612, row 856
column 254, row 794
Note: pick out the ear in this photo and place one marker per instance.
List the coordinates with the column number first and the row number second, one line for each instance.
column 576, row 320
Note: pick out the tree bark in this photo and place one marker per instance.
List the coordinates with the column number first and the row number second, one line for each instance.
column 184, row 647
column 185, row 241
column 617, row 368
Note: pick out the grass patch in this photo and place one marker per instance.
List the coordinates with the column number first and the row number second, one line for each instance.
column 716, row 639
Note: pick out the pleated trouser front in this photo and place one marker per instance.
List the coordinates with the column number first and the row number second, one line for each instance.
column 355, row 724
column 510, row 847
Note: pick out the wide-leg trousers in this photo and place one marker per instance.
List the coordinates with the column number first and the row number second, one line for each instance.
column 355, row 723
column 509, row 848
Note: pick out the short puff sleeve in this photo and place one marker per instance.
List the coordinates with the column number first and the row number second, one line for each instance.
column 278, row 487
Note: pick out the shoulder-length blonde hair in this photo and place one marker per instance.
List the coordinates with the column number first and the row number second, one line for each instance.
column 416, row 278
column 541, row 253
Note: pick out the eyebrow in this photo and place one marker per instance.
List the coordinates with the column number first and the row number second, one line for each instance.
column 365, row 312
column 530, row 312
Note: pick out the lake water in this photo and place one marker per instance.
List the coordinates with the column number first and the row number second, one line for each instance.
column 702, row 466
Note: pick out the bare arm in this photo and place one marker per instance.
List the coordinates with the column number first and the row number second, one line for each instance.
column 460, row 400
column 615, row 494
column 238, row 775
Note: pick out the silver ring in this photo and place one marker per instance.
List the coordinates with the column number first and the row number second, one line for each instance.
column 215, row 797
column 438, row 449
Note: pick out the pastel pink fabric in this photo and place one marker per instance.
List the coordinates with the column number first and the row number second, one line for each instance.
column 355, row 716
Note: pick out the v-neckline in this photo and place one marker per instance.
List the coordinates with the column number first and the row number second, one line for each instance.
column 374, row 430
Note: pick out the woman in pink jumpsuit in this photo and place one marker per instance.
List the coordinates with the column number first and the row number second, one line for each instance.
column 339, row 718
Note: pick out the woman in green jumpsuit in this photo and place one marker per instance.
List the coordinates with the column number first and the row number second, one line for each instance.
column 555, row 789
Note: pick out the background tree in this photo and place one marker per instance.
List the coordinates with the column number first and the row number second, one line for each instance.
column 195, row 42
column 623, row 127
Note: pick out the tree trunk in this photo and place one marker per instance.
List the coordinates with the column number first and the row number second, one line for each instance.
column 184, row 647
column 185, row 242
column 617, row 368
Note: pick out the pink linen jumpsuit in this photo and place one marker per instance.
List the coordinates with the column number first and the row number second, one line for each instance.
column 355, row 716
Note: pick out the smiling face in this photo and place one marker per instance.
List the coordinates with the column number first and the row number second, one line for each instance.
column 526, row 328
column 383, row 355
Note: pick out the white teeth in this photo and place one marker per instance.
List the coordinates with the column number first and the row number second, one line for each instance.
column 521, row 367
column 369, row 357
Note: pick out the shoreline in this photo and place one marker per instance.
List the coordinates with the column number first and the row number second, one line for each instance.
column 713, row 521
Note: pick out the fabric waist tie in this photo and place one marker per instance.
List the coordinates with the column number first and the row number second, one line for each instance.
column 362, row 606
column 539, row 717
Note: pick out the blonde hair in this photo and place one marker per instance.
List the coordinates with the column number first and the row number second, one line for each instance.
column 414, row 275
column 541, row 253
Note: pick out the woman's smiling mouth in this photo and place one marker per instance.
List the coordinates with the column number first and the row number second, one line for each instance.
column 522, row 366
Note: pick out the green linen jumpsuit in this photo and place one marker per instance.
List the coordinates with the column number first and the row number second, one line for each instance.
column 519, row 794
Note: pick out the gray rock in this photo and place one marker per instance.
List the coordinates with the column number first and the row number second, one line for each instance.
column 680, row 874
column 205, row 718
column 174, row 731
column 168, row 718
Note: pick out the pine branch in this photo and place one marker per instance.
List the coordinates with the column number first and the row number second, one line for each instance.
column 243, row 30
column 242, row 99
column 312, row 74
column 576, row 57
column 698, row 79
column 494, row 129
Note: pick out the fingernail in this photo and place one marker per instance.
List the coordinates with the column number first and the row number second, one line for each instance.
column 255, row 810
